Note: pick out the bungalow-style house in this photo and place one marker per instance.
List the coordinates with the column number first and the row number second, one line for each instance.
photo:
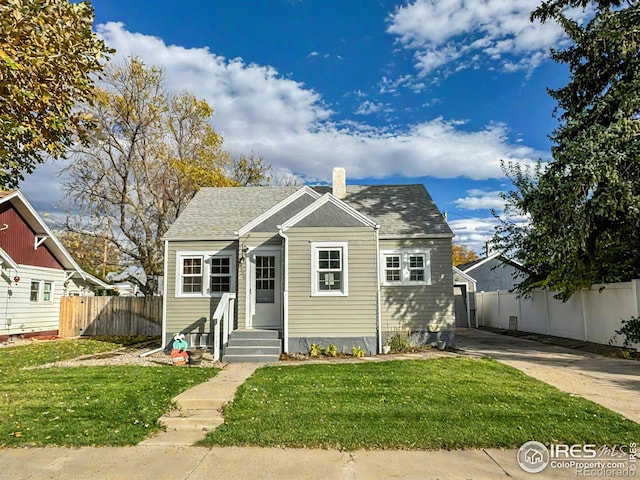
column 35, row 271
column 349, row 266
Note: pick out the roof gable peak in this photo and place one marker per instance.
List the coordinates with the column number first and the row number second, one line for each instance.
column 333, row 200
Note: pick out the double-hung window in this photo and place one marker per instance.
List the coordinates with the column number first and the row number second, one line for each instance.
column 417, row 268
column 47, row 291
column 34, row 296
column 220, row 274
column 41, row 291
column 329, row 273
column 191, row 278
column 205, row 273
column 406, row 267
column 393, row 268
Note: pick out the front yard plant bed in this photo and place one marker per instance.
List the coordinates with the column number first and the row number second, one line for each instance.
column 76, row 406
column 446, row 403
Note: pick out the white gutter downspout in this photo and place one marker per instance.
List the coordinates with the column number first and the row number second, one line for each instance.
column 285, row 292
column 378, row 308
column 164, row 304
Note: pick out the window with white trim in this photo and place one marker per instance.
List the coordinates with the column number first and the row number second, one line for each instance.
column 220, row 274
column 47, row 291
column 34, row 296
column 41, row 291
column 329, row 273
column 393, row 271
column 200, row 274
column 406, row 267
column 191, row 278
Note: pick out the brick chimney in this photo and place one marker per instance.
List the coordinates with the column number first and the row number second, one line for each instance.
column 339, row 182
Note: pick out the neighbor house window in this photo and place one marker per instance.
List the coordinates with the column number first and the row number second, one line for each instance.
column 41, row 291
column 205, row 273
column 35, row 292
column 329, row 269
column 47, row 290
column 406, row 267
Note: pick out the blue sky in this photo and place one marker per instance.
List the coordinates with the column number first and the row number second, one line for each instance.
column 425, row 91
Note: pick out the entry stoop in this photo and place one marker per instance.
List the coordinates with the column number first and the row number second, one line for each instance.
column 253, row 346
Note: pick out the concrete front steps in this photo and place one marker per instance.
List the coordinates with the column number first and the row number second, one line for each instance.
column 253, row 346
column 200, row 408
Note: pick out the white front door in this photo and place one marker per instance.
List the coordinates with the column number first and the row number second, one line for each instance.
column 266, row 291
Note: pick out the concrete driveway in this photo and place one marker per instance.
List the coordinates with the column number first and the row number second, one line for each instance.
column 613, row 383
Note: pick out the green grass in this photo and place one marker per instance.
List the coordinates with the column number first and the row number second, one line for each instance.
column 39, row 353
column 440, row 403
column 83, row 405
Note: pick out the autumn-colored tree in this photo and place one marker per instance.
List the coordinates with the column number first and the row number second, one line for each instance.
column 250, row 171
column 150, row 152
column 95, row 255
column 48, row 54
column 463, row 254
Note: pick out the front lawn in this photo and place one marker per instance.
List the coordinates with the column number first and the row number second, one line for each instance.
column 74, row 406
column 440, row 403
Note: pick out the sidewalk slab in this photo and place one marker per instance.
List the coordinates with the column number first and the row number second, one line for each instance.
column 108, row 463
column 238, row 463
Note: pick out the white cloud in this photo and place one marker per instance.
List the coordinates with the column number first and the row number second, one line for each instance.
column 368, row 108
column 387, row 85
column 257, row 109
column 481, row 200
column 290, row 125
column 473, row 232
column 441, row 32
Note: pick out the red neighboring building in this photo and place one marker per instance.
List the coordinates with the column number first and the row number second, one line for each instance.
column 35, row 271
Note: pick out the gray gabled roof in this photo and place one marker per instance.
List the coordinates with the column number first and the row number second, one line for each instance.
column 400, row 210
column 220, row 212
column 499, row 258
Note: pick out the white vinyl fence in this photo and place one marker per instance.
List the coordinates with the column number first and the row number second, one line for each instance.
column 591, row 315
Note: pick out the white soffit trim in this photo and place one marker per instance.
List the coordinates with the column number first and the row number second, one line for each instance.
column 469, row 278
column 329, row 198
column 6, row 258
column 276, row 208
column 491, row 257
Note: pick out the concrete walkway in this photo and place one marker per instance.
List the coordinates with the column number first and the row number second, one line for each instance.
column 200, row 408
column 611, row 382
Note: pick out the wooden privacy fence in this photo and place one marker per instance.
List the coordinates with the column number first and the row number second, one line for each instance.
column 110, row 316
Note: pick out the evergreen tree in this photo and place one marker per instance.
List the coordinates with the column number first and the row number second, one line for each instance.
column 584, row 206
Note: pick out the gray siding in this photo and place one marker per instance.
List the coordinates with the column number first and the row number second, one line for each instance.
column 329, row 215
column 495, row 275
column 350, row 316
column 192, row 314
column 425, row 307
